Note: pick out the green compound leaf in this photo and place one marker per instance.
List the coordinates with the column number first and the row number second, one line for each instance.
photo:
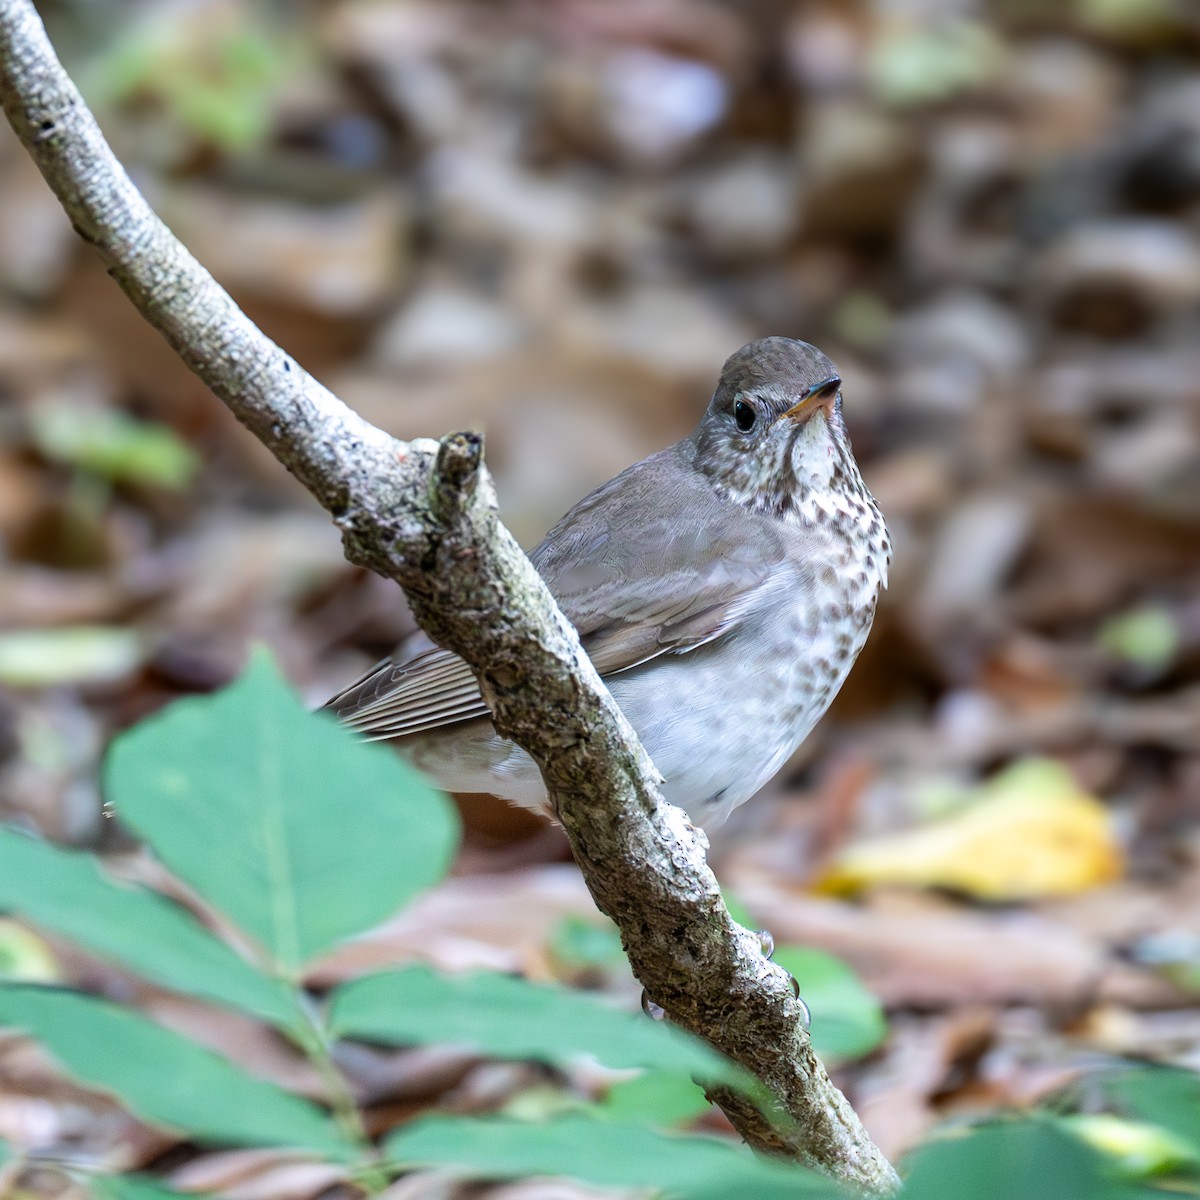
column 66, row 893
column 301, row 834
column 164, row 1077
column 506, row 1017
column 604, row 1153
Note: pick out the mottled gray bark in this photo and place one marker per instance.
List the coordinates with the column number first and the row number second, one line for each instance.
column 424, row 515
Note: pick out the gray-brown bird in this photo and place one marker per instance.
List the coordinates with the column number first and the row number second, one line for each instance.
column 723, row 587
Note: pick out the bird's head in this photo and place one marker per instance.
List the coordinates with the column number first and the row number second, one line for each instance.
column 774, row 428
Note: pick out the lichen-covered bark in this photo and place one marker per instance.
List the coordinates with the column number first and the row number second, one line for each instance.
column 424, row 514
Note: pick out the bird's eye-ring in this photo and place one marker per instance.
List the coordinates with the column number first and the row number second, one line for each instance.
column 744, row 416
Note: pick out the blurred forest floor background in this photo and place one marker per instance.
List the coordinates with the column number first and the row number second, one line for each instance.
column 553, row 220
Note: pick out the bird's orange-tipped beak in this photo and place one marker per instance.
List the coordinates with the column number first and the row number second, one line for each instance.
column 820, row 395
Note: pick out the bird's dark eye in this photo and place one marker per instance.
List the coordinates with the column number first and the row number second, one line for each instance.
column 744, row 416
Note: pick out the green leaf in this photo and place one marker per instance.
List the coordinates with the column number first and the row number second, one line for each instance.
column 82, row 654
column 1164, row 1096
column 512, row 1018
column 847, row 1021
column 6, row 1154
column 114, row 445
column 286, row 822
column 659, row 1098
column 66, row 893
column 1012, row 1160
column 580, row 943
column 218, row 79
column 164, row 1077
column 1146, row 637
column 600, row 1152
column 921, row 62
column 132, row 1187
column 1172, row 953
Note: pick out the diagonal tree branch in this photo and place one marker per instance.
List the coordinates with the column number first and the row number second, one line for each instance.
column 424, row 514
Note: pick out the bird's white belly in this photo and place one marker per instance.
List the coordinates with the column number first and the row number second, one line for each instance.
column 718, row 721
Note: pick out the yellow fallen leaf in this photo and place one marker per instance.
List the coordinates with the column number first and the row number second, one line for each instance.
column 1139, row 1148
column 1032, row 832
column 24, row 957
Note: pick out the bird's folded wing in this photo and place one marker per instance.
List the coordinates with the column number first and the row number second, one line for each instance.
column 675, row 585
column 393, row 699
column 680, row 579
